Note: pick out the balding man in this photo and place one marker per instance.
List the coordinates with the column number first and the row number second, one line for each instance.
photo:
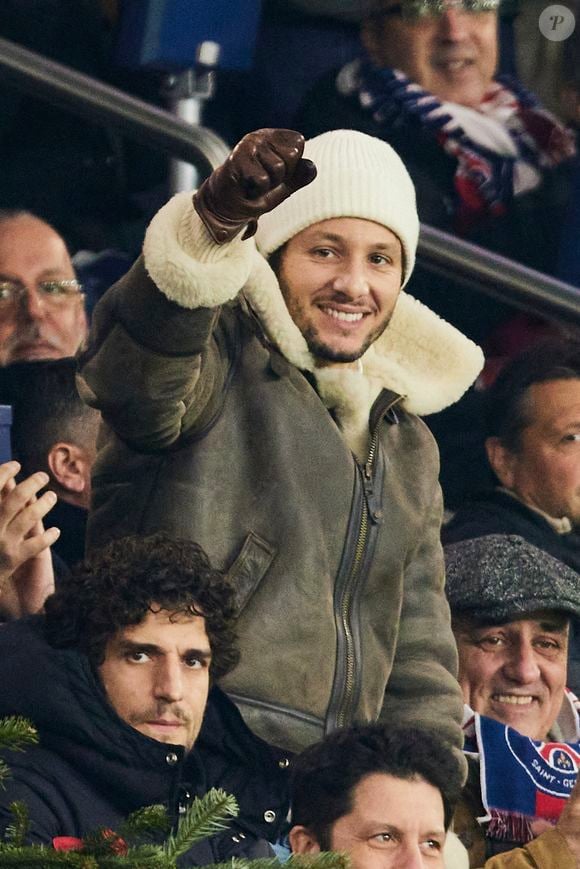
column 42, row 314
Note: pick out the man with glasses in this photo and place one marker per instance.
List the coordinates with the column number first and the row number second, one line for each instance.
column 42, row 314
column 488, row 162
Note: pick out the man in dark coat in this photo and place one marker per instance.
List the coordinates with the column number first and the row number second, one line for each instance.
column 533, row 448
column 488, row 162
column 116, row 678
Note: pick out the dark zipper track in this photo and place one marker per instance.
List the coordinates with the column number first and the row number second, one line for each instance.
column 344, row 692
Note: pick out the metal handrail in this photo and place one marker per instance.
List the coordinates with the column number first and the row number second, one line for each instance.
column 91, row 99
column 486, row 272
column 477, row 268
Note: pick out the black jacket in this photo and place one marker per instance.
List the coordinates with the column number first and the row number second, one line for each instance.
column 91, row 769
column 496, row 512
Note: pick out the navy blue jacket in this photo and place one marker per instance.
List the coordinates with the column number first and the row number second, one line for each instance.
column 92, row 770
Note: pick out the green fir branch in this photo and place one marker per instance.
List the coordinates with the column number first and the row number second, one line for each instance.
column 16, row 832
column 324, row 860
column 38, row 857
column 16, row 733
column 203, row 818
column 4, row 772
column 148, row 820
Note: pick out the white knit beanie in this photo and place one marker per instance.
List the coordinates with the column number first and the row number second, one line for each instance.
column 358, row 176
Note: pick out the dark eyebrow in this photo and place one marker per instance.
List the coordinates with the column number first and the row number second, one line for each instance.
column 128, row 647
column 125, row 647
column 331, row 236
column 555, row 627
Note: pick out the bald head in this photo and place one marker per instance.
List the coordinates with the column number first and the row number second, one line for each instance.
column 40, row 317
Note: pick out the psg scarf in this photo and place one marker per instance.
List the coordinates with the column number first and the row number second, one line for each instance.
column 522, row 779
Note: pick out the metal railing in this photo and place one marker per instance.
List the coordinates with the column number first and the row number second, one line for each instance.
column 100, row 103
column 486, row 272
column 477, row 268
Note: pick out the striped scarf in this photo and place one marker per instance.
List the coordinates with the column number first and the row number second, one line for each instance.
column 484, row 179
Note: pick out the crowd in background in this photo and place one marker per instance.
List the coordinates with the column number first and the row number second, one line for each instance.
column 484, row 111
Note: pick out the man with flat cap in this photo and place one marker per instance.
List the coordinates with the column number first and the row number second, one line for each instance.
column 511, row 606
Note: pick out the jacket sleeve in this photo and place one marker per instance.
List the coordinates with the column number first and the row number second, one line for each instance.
column 548, row 851
column 423, row 690
column 157, row 357
column 40, row 797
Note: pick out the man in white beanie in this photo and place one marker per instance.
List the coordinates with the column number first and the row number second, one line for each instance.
column 270, row 415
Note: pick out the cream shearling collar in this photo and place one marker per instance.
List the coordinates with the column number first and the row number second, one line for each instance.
column 419, row 356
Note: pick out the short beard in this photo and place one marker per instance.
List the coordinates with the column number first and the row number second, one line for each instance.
column 328, row 354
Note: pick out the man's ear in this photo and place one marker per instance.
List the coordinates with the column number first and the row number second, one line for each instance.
column 302, row 841
column 501, row 460
column 70, row 467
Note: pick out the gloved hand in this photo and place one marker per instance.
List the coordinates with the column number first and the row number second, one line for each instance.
column 264, row 169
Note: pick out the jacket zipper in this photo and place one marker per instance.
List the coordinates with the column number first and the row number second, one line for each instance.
column 359, row 552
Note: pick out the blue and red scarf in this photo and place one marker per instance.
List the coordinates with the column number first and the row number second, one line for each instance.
column 522, row 780
column 484, row 179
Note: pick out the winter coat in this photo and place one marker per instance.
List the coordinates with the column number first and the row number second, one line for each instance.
column 220, row 429
column 92, row 770
column 548, row 851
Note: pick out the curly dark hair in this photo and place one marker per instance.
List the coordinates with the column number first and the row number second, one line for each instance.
column 116, row 586
column 325, row 775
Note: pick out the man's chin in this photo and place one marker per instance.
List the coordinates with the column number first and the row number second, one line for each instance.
column 336, row 352
column 34, row 353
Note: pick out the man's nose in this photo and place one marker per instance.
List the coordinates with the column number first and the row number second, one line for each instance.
column 30, row 305
column 410, row 857
column 521, row 665
column 168, row 681
column 454, row 24
column 351, row 279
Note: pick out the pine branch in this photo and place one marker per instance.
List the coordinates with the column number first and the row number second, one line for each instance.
column 45, row 858
column 16, row 733
column 17, row 831
column 204, row 817
column 148, row 820
column 37, row 857
column 324, row 860
column 4, row 772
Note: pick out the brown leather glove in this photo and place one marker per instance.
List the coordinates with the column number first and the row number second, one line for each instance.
column 264, row 169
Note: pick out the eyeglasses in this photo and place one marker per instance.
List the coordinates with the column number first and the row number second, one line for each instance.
column 415, row 10
column 53, row 293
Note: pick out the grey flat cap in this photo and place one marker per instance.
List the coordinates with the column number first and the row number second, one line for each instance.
column 501, row 577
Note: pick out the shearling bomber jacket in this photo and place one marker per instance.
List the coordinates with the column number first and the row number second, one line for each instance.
column 316, row 491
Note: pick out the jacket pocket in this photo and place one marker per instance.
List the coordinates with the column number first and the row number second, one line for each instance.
column 250, row 567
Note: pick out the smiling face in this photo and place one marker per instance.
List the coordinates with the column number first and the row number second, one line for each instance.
column 31, row 252
column 544, row 469
column 515, row 672
column 340, row 279
column 156, row 676
column 385, row 828
column 452, row 55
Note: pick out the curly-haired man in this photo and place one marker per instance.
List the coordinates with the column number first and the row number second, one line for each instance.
column 117, row 677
